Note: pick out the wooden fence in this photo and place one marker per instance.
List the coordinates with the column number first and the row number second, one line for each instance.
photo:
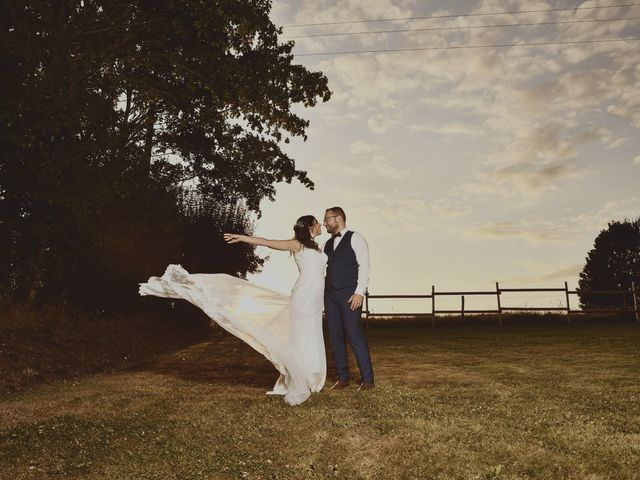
column 500, row 308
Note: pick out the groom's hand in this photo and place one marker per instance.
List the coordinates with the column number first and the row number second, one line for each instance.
column 355, row 301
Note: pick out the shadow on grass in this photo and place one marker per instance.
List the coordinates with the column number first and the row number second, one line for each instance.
column 224, row 359
column 53, row 343
column 221, row 360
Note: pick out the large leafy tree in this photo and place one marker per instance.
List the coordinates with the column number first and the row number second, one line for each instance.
column 108, row 108
column 612, row 264
column 207, row 81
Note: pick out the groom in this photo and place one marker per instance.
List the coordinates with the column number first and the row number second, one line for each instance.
column 346, row 283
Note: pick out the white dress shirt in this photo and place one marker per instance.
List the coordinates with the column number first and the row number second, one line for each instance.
column 361, row 249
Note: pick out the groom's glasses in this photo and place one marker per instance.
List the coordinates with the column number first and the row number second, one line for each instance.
column 327, row 218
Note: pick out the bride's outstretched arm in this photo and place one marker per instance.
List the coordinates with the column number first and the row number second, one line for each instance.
column 290, row 245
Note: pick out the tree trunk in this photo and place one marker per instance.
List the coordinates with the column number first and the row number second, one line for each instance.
column 148, row 138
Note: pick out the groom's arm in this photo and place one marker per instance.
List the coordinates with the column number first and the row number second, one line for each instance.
column 361, row 249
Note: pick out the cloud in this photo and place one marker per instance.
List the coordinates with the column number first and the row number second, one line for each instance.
column 566, row 230
column 360, row 147
column 378, row 166
column 525, row 113
column 396, row 212
column 619, row 209
column 381, row 123
column 531, row 164
column 544, row 272
column 377, row 163
column 369, row 82
column 448, row 129
column 532, row 230
column 618, row 142
column 446, row 208
column 636, row 160
column 569, row 271
column 521, row 179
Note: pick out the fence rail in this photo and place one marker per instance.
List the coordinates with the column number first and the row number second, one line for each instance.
column 500, row 308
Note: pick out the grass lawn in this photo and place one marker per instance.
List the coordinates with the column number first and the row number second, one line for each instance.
column 473, row 402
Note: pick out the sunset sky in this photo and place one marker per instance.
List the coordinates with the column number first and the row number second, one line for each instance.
column 463, row 167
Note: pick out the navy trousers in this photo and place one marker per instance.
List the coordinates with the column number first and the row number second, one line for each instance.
column 344, row 322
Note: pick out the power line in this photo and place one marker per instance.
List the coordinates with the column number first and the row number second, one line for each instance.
column 428, row 17
column 459, row 47
column 459, row 28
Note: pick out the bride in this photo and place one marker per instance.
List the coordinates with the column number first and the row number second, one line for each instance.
column 287, row 330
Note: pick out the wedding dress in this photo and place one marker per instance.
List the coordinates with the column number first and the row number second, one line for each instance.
column 287, row 330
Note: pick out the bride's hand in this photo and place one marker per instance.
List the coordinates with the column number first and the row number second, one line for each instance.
column 233, row 238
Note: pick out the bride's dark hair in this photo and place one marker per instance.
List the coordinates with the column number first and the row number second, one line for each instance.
column 302, row 233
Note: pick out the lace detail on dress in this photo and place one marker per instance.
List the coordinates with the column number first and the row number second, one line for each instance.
column 177, row 274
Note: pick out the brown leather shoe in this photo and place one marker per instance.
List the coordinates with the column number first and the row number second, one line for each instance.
column 366, row 386
column 340, row 384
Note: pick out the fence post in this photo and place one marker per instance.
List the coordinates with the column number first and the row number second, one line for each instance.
column 635, row 300
column 566, row 292
column 499, row 305
column 433, row 306
column 462, row 312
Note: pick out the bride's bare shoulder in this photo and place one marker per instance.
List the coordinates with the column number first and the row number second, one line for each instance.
column 297, row 246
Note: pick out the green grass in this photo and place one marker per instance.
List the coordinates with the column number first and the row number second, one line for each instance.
column 518, row 402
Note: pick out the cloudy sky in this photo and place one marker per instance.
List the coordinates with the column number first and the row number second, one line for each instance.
column 466, row 166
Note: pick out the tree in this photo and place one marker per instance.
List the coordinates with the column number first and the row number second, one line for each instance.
column 204, row 248
column 110, row 108
column 612, row 264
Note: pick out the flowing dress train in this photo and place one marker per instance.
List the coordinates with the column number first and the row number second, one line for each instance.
column 287, row 330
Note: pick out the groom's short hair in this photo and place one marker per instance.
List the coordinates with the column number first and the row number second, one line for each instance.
column 338, row 211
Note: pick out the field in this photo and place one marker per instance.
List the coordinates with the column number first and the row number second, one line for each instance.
column 523, row 401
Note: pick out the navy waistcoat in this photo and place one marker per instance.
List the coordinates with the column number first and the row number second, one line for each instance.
column 342, row 266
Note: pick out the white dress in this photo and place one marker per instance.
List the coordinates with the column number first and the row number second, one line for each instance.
column 287, row 330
